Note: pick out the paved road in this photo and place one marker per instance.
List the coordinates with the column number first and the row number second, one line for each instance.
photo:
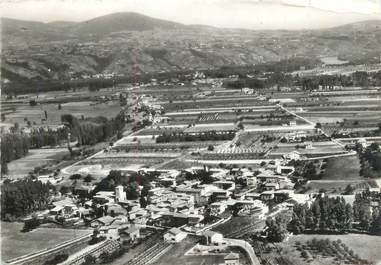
column 216, row 162
column 296, row 115
column 245, row 246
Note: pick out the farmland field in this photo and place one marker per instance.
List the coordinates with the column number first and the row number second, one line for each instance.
column 35, row 114
column 16, row 243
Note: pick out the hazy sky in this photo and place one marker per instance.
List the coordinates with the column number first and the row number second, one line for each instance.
column 223, row 13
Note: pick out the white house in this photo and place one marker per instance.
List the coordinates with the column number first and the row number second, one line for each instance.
column 120, row 195
column 174, row 235
column 294, row 155
column 213, row 238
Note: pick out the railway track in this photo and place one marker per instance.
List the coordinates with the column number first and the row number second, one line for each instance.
column 151, row 254
column 239, row 233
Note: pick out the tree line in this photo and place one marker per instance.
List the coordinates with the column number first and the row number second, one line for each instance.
column 269, row 80
column 168, row 137
column 324, row 215
column 334, row 215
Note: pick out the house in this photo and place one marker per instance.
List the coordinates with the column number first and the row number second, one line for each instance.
column 213, row 238
column 110, row 232
column 103, row 197
column 120, row 195
column 292, row 123
column 102, row 221
column 284, row 170
column 116, row 209
column 225, row 185
column 174, row 235
column 252, row 196
column 362, row 142
column 133, row 232
column 217, row 208
column 267, row 176
column 267, row 195
column 108, row 220
column 294, row 155
column 308, row 145
column 272, row 186
column 231, row 259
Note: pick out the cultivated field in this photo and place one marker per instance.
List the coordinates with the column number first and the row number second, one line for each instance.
column 36, row 114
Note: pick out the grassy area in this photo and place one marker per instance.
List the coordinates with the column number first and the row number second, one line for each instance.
column 343, row 168
column 36, row 158
column 16, row 243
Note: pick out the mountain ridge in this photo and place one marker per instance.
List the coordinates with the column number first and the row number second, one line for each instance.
column 129, row 42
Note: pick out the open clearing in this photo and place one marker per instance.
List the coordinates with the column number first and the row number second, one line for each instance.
column 36, row 157
column 16, row 243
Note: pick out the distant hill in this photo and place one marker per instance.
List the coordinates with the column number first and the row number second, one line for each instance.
column 126, row 21
column 100, row 26
column 125, row 43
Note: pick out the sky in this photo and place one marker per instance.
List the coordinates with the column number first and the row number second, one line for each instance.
column 253, row 14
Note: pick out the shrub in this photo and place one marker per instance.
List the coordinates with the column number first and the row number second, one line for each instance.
column 57, row 259
column 31, row 224
column 75, row 176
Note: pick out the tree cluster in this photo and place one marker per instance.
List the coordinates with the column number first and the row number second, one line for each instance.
column 22, row 197
column 93, row 130
column 370, row 158
column 367, row 219
column 324, row 215
column 277, row 228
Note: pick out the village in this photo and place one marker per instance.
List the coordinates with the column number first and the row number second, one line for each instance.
column 215, row 175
